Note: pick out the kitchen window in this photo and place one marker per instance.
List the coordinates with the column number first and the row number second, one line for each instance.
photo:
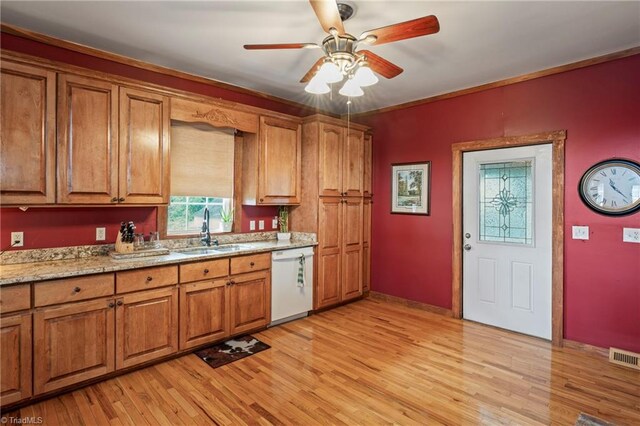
column 202, row 176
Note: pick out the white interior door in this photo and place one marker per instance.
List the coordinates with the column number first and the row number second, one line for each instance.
column 507, row 234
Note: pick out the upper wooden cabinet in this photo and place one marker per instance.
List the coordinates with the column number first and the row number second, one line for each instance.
column 144, row 147
column 271, row 163
column 368, row 166
column 87, row 141
column 341, row 162
column 27, row 134
column 353, row 163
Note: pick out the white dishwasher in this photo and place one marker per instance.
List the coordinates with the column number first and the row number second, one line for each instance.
column 291, row 299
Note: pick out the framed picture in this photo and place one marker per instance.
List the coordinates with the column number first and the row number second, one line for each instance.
column 410, row 184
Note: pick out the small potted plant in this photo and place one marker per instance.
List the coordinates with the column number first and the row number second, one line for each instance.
column 283, row 221
column 226, row 216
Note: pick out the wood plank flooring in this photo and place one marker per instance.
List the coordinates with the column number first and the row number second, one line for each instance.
column 370, row 362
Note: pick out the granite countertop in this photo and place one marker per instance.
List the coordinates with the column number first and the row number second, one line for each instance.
column 95, row 264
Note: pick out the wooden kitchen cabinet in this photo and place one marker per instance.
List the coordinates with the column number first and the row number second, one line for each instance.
column 328, row 290
column 351, row 283
column 87, row 141
column 15, row 362
column 366, row 244
column 353, row 162
column 271, row 172
column 144, row 147
column 73, row 343
column 367, row 183
column 146, row 326
column 27, row 134
column 203, row 312
column 249, row 301
column 330, row 159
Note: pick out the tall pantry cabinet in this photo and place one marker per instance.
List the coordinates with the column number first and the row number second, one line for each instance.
column 333, row 189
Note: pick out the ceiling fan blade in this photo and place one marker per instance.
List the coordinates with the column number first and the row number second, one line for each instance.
column 281, row 46
column 328, row 15
column 381, row 65
column 403, row 30
column 309, row 75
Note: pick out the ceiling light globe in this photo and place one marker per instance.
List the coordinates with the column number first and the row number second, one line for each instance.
column 329, row 73
column 364, row 76
column 351, row 89
column 316, row 87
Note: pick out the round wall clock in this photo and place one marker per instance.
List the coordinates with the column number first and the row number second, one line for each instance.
column 612, row 187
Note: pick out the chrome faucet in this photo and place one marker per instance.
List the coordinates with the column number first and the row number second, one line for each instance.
column 205, row 235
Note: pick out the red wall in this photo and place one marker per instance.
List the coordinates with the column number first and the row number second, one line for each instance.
column 599, row 106
column 55, row 227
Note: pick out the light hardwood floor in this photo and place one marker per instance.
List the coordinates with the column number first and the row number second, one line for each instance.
column 370, row 362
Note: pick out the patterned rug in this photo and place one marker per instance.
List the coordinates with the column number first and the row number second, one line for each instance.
column 587, row 420
column 231, row 350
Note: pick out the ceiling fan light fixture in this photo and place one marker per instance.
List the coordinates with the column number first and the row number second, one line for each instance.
column 351, row 89
column 329, row 73
column 364, row 76
column 317, row 86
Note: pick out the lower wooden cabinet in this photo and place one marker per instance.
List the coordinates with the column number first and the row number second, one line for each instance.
column 203, row 312
column 249, row 301
column 146, row 326
column 15, row 362
column 73, row 343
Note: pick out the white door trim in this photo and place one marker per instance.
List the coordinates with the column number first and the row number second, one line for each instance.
column 557, row 139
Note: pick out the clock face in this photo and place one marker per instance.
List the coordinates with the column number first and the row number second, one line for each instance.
column 612, row 187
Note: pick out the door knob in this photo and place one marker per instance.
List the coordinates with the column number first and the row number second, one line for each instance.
column 467, row 247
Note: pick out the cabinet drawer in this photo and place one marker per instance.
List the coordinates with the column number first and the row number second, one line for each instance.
column 204, row 270
column 143, row 279
column 240, row 265
column 72, row 289
column 15, row 298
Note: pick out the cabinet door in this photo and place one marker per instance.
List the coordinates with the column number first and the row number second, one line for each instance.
column 87, row 141
column 27, row 132
column 330, row 160
column 352, row 248
column 203, row 311
column 328, row 290
column 368, row 164
column 280, row 159
column 72, row 343
column 146, row 326
column 366, row 244
column 15, row 363
column 353, row 163
column 144, row 147
column 249, row 301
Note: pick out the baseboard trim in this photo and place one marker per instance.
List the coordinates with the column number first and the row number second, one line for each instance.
column 585, row 347
column 411, row 303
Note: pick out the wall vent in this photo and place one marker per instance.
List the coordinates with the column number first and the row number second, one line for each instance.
column 625, row 358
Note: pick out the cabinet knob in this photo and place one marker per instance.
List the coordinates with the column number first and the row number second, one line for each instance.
column 114, row 199
column 76, row 289
column 232, row 282
column 261, row 199
column 119, row 302
column 149, row 279
column 121, row 199
column 111, row 304
column 252, row 264
column 206, row 271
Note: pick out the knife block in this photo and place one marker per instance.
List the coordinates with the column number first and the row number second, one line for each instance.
column 123, row 247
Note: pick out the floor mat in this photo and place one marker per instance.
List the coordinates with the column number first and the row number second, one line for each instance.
column 232, row 350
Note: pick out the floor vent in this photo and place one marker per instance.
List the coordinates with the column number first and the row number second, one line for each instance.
column 625, row 358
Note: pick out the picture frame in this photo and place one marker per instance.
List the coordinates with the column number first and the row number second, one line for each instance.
column 411, row 188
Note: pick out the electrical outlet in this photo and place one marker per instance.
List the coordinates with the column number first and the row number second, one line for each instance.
column 261, row 225
column 101, row 234
column 17, row 239
column 274, row 223
column 580, row 232
column 631, row 235
column 252, row 225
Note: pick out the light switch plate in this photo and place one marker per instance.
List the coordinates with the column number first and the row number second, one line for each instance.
column 17, row 239
column 580, row 232
column 631, row 235
column 101, row 234
column 252, row 225
column 261, row 225
column 274, row 223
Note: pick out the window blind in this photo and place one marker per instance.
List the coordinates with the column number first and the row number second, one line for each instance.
column 201, row 160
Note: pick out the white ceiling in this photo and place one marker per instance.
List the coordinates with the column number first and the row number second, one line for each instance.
column 479, row 42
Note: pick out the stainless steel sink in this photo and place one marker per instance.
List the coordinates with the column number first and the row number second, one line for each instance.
column 195, row 250
column 226, row 248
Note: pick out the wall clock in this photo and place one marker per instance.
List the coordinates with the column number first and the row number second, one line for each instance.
column 612, row 187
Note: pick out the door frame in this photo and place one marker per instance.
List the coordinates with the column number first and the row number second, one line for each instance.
column 557, row 140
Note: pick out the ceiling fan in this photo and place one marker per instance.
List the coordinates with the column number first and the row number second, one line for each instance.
column 342, row 59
